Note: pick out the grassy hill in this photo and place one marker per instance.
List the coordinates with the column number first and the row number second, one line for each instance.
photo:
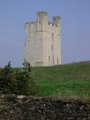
column 70, row 80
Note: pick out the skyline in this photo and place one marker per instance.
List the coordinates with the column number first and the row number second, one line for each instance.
column 75, row 24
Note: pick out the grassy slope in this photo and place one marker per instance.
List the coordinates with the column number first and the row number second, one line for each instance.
column 72, row 80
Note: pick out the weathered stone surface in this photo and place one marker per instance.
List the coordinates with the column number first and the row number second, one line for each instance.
column 43, row 41
column 38, row 108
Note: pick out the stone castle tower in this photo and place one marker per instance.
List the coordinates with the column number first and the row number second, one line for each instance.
column 42, row 45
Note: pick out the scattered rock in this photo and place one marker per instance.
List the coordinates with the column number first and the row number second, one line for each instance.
column 14, row 107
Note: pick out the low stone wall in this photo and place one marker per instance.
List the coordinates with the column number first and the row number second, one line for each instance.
column 38, row 108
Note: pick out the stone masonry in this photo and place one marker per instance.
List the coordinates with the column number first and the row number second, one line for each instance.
column 42, row 44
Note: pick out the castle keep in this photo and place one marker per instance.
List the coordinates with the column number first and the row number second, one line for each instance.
column 42, row 45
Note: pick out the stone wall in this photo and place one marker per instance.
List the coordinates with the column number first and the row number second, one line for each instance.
column 38, row 108
column 43, row 41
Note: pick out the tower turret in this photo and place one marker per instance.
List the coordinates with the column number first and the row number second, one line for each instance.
column 42, row 17
column 56, row 20
column 42, row 20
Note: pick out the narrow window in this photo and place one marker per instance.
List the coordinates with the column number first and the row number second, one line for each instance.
column 53, row 59
column 51, row 47
column 49, row 58
column 52, row 35
column 57, row 61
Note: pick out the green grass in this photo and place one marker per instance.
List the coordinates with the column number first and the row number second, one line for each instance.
column 72, row 80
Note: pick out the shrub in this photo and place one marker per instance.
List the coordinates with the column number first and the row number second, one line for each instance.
column 17, row 81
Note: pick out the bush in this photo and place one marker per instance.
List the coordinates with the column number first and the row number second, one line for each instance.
column 17, row 81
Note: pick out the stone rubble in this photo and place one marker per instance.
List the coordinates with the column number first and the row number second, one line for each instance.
column 14, row 107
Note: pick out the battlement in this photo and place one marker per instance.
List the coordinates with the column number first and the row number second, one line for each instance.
column 56, row 20
column 29, row 23
column 43, row 13
column 42, row 17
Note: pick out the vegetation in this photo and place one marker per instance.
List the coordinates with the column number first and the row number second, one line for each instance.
column 17, row 81
column 71, row 80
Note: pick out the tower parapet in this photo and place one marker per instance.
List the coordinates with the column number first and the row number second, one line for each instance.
column 56, row 20
column 42, row 17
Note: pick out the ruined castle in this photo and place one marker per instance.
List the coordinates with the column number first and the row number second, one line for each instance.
column 43, row 41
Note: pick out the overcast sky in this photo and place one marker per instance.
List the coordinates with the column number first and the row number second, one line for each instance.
column 75, row 16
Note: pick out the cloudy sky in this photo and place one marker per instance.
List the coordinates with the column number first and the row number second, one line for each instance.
column 75, row 16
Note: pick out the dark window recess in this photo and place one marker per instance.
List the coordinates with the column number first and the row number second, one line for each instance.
column 49, row 58
column 51, row 47
column 57, row 61
column 52, row 35
column 53, row 59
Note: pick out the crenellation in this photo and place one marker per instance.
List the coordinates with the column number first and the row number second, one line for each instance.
column 42, row 46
